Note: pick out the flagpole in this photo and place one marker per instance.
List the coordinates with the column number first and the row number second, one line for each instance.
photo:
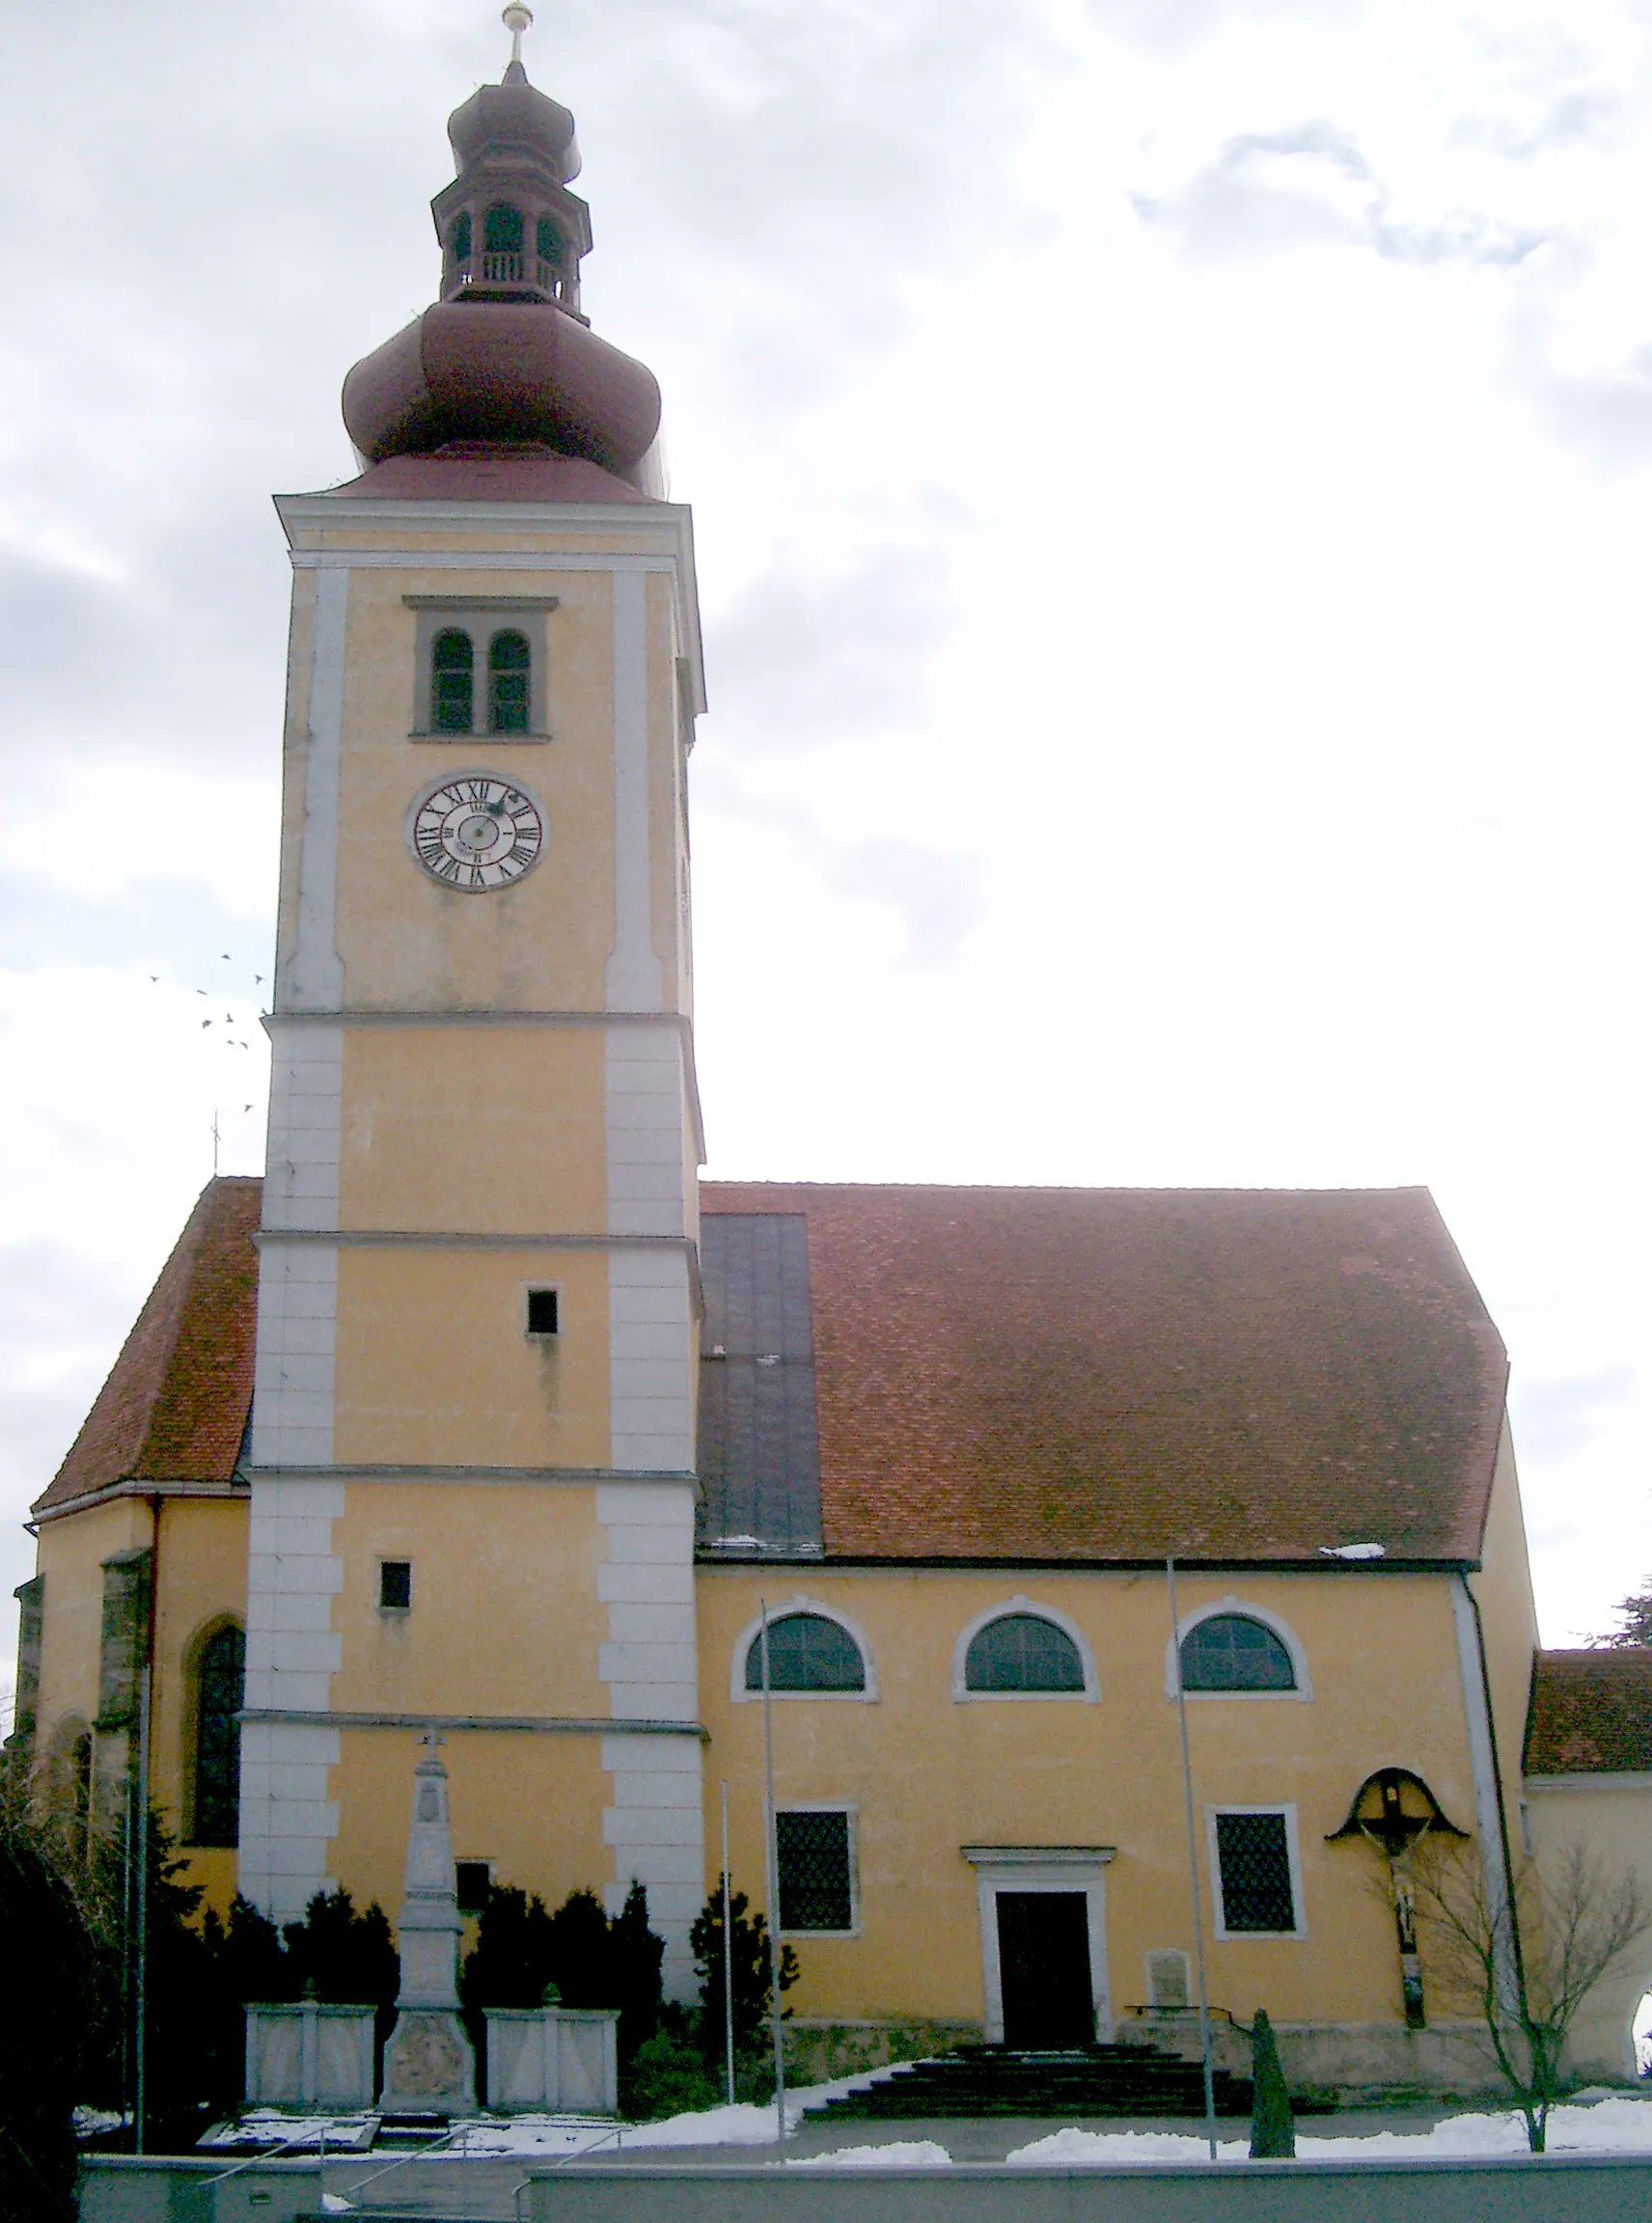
column 728, row 1960
column 771, row 1853
column 1192, row 1860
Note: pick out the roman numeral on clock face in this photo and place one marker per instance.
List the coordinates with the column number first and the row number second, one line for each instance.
column 448, row 812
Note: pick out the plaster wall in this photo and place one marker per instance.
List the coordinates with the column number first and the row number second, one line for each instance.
column 201, row 1560
column 1610, row 1816
column 928, row 1774
column 72, row 1551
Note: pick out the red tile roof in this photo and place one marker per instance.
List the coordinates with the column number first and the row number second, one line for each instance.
column 1591, row 1712
column 174, row 1406
column 1070, row 1374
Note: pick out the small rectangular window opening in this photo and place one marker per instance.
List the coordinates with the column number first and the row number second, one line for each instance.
column 394, row 1585
column 473, row 1879
column 1253, row 1851
column 542, row 1313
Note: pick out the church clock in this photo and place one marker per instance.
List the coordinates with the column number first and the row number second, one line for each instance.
column 476, row 833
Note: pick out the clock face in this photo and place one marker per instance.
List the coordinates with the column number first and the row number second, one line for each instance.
column 476, row 831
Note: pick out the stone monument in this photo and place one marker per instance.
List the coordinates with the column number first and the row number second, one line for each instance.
column 428, row 2066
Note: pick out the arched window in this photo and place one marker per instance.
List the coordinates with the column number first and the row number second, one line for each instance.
column 452, row 660
column 1232, row 1651
column 510, row 665
column 807, row 1652
column 1023, row 1652
column 462, row 236
column 550, row 242
column 219, row 1675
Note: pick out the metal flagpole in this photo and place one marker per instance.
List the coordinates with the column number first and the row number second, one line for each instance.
column 1193, row 1862
column 140, row 1836
column 771, row 1854
column 728, row 1960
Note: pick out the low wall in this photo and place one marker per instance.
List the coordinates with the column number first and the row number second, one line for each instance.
column 1561, row 2188
column 128, row 2188
column 1354, row 2061
column 820, row 2048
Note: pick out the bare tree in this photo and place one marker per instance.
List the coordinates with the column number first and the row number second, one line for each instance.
column 1529, row 1960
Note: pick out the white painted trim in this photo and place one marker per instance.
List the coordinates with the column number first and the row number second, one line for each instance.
column 1293, row 1856
column 962, row 1695
column 1041, row 1867
column 1622, row 1779
column 326, row 560
column 314, row 974
column 827, row 1806
column 1242, row 1606
column 633, row 980
column 1488, row 1821
column 739, row 1695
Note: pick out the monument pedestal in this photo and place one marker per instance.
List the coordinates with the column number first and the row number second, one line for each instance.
column 430, row 2068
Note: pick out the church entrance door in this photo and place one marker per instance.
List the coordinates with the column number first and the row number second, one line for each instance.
column 1043, row 1959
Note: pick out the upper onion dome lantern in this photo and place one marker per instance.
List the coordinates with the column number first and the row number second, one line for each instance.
column 506, row 355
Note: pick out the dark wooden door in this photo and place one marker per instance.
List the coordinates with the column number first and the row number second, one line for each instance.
column 1043, row 1964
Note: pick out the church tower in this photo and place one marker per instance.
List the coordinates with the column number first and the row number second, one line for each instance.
column 473, row 1435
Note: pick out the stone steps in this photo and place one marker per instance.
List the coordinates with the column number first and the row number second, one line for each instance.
column 998, row 2080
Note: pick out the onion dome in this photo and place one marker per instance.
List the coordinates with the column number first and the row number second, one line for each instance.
column 506, row 354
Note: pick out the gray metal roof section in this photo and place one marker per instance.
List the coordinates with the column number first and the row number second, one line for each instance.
column 760, row 1455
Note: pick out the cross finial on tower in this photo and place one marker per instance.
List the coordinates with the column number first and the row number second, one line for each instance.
column 516, row 20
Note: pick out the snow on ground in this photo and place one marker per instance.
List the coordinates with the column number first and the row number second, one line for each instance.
column 904, row 2154
column 1614, row 2124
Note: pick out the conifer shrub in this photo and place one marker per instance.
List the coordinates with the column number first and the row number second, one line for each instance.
column 526, row 1957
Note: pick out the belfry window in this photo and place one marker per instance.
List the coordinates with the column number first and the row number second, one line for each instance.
column 1232, row 1651
column 501, row 231
column 451, row 683
column 807, row 1652
column 461, row 237
column 1023, row 1652
column 510, row 670
column 219, row 1677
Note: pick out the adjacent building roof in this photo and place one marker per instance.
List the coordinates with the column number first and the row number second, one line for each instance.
column 174, row 1406
column 1591, row 1712
column 1108, row 1375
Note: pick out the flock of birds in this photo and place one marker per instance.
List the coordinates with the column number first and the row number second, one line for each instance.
column 228, row 1039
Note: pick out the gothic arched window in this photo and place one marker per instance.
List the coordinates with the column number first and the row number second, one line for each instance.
column 807, row 1652
column 452, row 691
column 219, row 1676
column 510, row 668
column 1023, row 1652
column 1232, row 1651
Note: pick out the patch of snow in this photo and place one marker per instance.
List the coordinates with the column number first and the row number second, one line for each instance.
column 333, row 2203
column 1614, row 2123
column 270, row 2126
column 903, row 2154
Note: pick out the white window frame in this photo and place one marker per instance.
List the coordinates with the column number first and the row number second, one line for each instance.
column 962, row 1695
column 480, row 617
column 739, row 1695
column 1286, row 1635
column 1293, row 1858
column 1041, row 1867
column 844, row 1806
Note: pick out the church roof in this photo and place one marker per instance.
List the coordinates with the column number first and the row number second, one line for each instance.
column 1591, row 1712
column 174, row 1406
column 1107, row 1375
column 912, row 1374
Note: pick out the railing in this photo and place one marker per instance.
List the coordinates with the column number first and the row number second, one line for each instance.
column 525, row 270
column 502, row 269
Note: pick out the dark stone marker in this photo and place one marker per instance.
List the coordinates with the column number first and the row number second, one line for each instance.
column 1273, row 2133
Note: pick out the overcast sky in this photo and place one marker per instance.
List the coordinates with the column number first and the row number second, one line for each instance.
column 1170, row 481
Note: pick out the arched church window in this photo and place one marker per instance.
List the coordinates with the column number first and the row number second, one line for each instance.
column 510, row 666
column 461, row 240
column 219, row 1677
column 549, row 240
column 1232, row 1651
column 807, row 1652
column 451, row 659
column 1023, row 1652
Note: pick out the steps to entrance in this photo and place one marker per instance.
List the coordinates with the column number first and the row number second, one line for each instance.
column 1084, row 2081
